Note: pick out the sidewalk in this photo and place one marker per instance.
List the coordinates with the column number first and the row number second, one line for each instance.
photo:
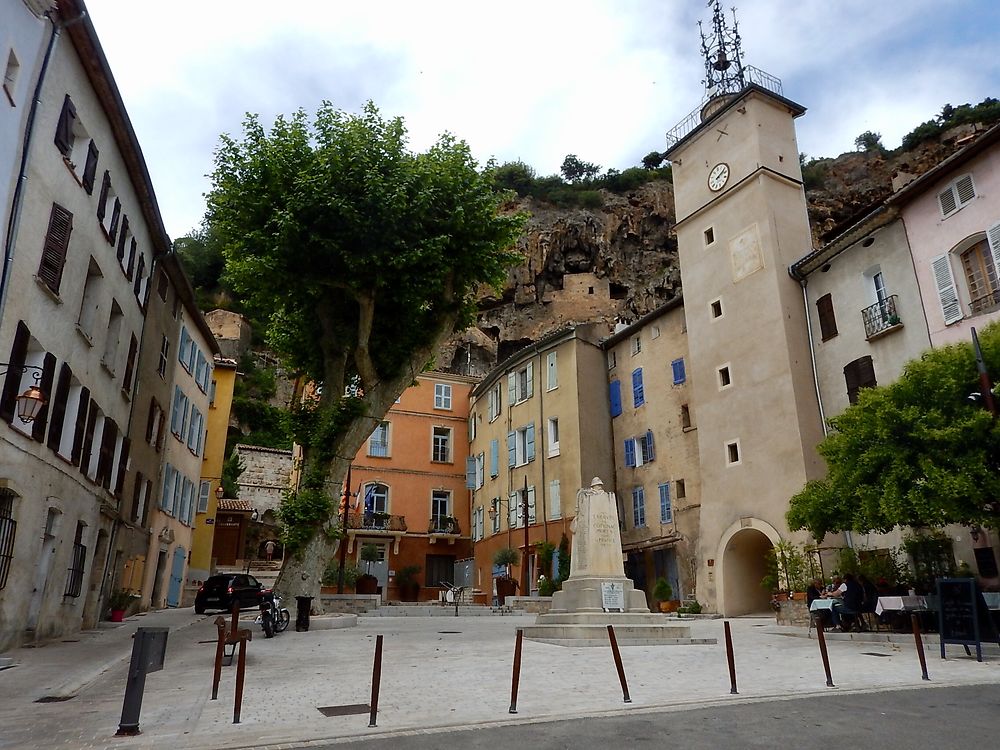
column 438, row 674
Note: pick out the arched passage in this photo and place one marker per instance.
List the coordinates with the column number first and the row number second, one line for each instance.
column 743, row 567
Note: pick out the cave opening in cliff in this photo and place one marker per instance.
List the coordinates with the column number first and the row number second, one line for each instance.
column 618, row 291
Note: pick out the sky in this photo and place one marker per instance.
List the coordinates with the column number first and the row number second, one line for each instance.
column 530, row 81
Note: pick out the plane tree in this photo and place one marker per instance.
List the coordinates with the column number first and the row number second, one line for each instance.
column 363, row 257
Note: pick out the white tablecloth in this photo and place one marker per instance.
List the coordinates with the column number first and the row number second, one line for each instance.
column 823, row 604
column 899, row 603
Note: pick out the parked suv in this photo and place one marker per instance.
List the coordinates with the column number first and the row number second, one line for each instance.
column 222, row 591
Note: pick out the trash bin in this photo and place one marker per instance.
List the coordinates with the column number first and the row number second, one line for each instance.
column 303, row 607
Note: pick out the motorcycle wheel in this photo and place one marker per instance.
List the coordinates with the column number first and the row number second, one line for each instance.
column 267, row 624
column 283, row 619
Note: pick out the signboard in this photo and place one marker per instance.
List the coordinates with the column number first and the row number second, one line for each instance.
column 963, row 617
column 209, row 521
column 613, row 596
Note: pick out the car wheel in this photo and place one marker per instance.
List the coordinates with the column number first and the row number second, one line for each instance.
column 199, row 609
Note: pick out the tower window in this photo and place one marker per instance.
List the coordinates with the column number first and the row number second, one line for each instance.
column 725, row 379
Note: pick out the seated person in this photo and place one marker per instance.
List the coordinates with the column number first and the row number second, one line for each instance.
column 813, row 592
column 851, row 597
column 870, row 594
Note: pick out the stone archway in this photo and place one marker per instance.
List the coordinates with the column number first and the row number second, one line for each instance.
column 742, row 550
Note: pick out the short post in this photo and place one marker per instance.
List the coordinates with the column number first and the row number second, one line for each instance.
column 730, row 659
column 920, row 646
column 236, row 620
column 148, row 650
column 376, row 680
column 220, row 650
column 822, row 650
column 618, row 663
column 516, row 676
column 241, row 667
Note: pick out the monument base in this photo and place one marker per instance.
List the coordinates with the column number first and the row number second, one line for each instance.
column 585, row 594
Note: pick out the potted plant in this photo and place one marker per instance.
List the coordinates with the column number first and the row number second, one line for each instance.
column 409, row 586
column 118, row 603
column 663, row 593
column 332, row 575
column 506, row 584
column 367, row 583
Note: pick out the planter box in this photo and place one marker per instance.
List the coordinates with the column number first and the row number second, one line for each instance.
column 793, row 612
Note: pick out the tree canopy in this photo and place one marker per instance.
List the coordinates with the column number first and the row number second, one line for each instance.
column 917, row 452
column 362, row 257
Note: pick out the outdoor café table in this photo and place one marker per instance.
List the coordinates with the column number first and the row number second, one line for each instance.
column 992, row 599
column 818, row 605
column 900, row 604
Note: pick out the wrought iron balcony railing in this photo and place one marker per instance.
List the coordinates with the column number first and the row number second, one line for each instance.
column 985, row 304
column 376, row 522
column 443, row 525
column 880, row 317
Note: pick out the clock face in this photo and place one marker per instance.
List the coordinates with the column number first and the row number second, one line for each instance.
column 718, row 177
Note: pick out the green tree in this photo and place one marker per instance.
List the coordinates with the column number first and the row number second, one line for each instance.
column 575, row 169
column 918, row 452
column 653, row 160
column 363, row 257
column 869, row 141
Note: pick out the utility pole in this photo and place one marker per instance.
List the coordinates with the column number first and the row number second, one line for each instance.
column 985, row 386
column 526, row 591
column 343, row 540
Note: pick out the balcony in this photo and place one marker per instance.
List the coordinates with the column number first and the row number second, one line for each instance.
column 444, row 527
column 985, row 304
column 881, row 318
column 375, row 525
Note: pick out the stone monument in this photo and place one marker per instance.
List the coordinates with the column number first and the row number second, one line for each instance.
column 597, row 592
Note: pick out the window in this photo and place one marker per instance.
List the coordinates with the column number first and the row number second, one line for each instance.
column 521, row 445
column 640, row 450
column 440, row 508
column 615, row 395
column 477, row 523
column 133, row 350
column 204, row 491
column 733, row 452
column 495, row 515
column 685, row 416
column 709, row 236
column 636, row 345
column 612, row 360
column 515, row 504
column 378, row 443
column 494, row 458
column 520, row 384
column 9, row 86
column 555, row 506
column 957, row 194
column 183, row 348
column 376, row 498
column 200, row 368
column 494, row 402
column 56, row 245
column 114, row 334
column 472, row 427
column 553, row 436
column 827, row 320
column 681, row 489
column 106, row 196
column 654, row 332
column 725, row 379
column 154, row 425
column 859, row 374
column 64, row 128
column 78, row 561
column 638, row 394
column 161, row 368
column 179, row 414
column 638, row 507
column 441, row 445
column 8, row 530
column 140, row 286
column 124, row 239
column 161, row 285
column 166, row 494
column 666, row 509
column 677, row 368
column 480, row 471
column 552, row 370
column 979, row 264
column 211, row 393
column 716, row 308
column 442, row 396
column 91, row 300
column 195, row 429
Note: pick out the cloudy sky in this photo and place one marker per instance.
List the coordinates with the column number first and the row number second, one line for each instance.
column 603, row 79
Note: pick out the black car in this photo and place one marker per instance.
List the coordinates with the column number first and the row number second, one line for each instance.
column 222, row 591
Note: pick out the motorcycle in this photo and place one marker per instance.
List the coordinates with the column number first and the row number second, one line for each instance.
column 273, row 618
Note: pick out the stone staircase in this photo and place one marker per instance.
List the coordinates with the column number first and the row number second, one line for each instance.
column 437, row 609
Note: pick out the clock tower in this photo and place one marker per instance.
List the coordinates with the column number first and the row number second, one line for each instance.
column 741, row 221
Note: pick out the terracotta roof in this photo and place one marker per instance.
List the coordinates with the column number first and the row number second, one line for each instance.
column 235, row 505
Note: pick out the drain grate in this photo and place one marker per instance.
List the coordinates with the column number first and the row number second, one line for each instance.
column 54, row 699
column 449, row 632
column 348, row 710
column 872, row 653
column 71, row 641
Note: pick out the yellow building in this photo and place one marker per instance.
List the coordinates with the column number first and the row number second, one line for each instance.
column 221, row 400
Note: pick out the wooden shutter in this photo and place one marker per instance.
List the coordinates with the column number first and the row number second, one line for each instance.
column 64, row 128
column 859, row 374
column 630, row 452
column 90, row 170
column 137, row 286
column 494, row 458
column 470, row 472
column 529, row 442
column 993, row 237
column 122, row 237
column 615, row 394
column 102, row 202
column 947, row 201
column 650, row 448
column 122, row 466
column 80, row 426
column 136, row 497
column 678, row 370
column 59, row 407
column 48, row 376
column 88, row 438
column 131, row 259
column 965, row 189
column 106, row 453
column 116, row 215
column 56, row 244
column 133, row 349
column 12, row 383
column 512, row 388
column 151, row 420
column 511, row 448
column 947, row 295
column 827, row 320
column 638, row 394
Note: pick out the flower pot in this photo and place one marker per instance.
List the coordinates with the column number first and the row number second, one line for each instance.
column 366, row 585
column 505, row 587
column 409, row 592
column 799, row 596
column 118, row 615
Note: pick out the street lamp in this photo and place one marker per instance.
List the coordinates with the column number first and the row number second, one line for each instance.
column 33, row 399
column 219, row 492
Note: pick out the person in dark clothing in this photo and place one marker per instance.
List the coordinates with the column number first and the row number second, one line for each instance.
column 814, row 591
column 870, row 594
column 851, row 597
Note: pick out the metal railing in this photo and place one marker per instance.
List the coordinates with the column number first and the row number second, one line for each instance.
column 443, row 525
column 376, row 522
column 985, row 304
column 74, row 585
column 880, row 317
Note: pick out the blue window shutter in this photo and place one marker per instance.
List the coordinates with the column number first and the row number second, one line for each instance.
column 666, row 511
column 529, row 442
column 678, row 367
column 167, row 482
column 638, row 398
column 651, row 451
column 494, row 458
column 615, row 390
column 630, row 452
column 511, row 448
column 512, row 388
column 182, row 349
column 470, row 472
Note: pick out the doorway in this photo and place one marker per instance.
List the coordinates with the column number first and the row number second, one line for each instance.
column 744, row 564
column 44, row 567
column 176, row 577
column 379, row 568
column 156, row 599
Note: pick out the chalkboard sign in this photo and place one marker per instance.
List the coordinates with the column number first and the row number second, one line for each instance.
column 963, row 616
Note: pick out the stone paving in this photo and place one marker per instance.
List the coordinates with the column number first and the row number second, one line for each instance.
column 439, row 673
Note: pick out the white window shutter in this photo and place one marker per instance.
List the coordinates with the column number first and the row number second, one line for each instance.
column 531, row 381
column 993, row 236
column 947, row 294
column 947, row 200
column 965, row 189
column 512, row 388
column 531, row 505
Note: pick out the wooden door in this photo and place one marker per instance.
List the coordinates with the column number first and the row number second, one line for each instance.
column 226, row 546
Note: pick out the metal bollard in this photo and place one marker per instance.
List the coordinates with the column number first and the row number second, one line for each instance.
column 148, row 649
column 303, row 608
column 618, row 663
column 236, row 620
column 220, row 651
column 920, row 646
column 730, row 659
column 822, row 650
column 376, row 680
column 241, row 668
column 516, row 676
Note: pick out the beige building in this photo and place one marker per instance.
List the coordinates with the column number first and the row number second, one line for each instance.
column 539, row 420
column 656, row 450
column 741, row 221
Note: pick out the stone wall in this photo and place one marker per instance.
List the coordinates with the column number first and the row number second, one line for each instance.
column 793, row 612
column 536, row 605
column 352, row 604
column 265, row 476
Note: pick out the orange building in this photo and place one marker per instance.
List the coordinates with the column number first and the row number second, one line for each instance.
column 409, row 478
